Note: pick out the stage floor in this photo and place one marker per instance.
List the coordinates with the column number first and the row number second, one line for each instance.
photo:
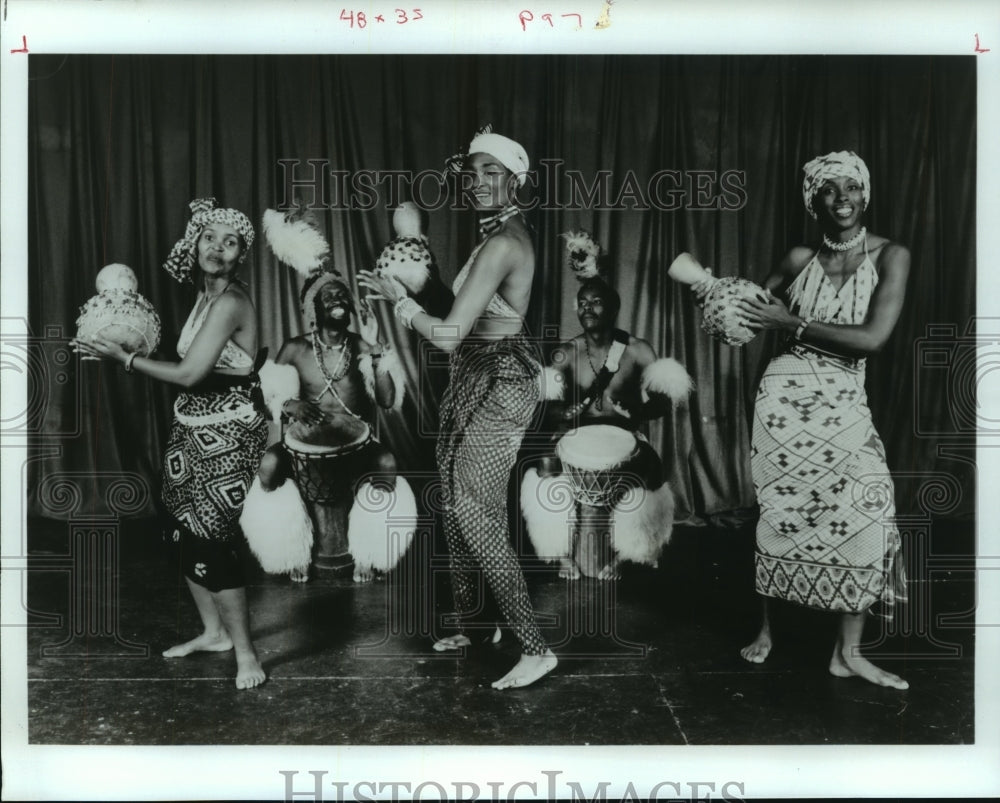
column 651, row 659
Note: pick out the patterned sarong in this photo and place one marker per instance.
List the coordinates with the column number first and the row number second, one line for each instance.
column 216, row 444
column 827, row 536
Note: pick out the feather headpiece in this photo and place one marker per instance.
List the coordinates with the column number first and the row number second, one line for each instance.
column 295, row 241
column 582, row 252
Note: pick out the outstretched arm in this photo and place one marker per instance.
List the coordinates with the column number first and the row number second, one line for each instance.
column 853, row 340
column 222, row 322
column 492, row 265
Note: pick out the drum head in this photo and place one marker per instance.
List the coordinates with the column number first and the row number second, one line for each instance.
column 595, row 447
column 340, row 433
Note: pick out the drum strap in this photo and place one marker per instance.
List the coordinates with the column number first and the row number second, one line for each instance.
column 595, row 393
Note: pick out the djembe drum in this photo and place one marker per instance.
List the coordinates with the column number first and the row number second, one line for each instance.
column 322, row 464
column 600, row 461
column 721, row 317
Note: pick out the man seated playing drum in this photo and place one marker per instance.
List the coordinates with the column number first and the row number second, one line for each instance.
column 612, row 382
column 327, row 444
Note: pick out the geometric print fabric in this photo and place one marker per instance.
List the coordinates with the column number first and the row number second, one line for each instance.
column 207, row 469
column 826, row 537
column 826, row 507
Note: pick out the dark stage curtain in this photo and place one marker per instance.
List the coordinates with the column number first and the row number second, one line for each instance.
column 118, row 145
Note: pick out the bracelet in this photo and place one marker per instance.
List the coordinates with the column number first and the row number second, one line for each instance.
column 128, row 362
column 405, row 309
column 801, row 328
column 375, row 355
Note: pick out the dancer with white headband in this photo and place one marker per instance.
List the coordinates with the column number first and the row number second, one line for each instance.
column 490, row 400
column 827, row 537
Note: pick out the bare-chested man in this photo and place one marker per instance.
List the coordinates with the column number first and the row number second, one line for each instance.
column 613, row 378
column 343, row 378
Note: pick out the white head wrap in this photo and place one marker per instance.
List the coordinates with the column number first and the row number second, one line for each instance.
column 506, row 151
column 834, row 164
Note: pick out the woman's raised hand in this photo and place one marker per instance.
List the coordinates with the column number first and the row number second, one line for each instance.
column 381, row 288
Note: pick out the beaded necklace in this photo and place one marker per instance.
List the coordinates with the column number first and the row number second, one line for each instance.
column 318, row 354
column 847, row 245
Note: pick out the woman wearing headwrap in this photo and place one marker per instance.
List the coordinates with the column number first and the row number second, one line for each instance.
column 827, row 537
column 218, row 433
column 490, row 400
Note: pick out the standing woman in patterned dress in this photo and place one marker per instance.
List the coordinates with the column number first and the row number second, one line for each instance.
column 491, row 397
column 218, row 433
column 827, row 536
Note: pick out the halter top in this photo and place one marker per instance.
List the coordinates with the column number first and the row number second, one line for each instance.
column 497, row 306
column 812, row 295
column 232, row 356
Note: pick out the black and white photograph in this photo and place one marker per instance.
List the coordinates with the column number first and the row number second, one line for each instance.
column 588, row 401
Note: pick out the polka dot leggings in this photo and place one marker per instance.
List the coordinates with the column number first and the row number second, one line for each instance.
column 484, row 414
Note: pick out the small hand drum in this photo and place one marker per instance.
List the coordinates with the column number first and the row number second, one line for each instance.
column 317, row 454
column 721, row 318
column 594, row 458
column 119, row 314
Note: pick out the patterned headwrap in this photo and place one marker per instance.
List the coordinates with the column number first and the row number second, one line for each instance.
column 183, row 255
column 505, row 150
column 834, row 164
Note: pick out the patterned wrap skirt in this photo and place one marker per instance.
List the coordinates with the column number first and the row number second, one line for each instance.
column 827, row 536
column 216, row 443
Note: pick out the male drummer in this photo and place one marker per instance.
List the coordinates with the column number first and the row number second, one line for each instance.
column 341, row 376
column 611, row 377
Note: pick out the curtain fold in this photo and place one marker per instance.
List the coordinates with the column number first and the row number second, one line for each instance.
column 118, row 146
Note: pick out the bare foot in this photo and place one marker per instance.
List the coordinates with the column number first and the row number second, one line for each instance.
column 249, row 672
column 206, row 642
column 844, row 665
column 568, row 569
column 757, row 651
column 526, row 671
column 363, row 574
column 452, row 643
column 610, row 572
column 299, row 575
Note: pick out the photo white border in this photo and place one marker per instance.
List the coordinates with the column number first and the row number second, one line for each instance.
column 37, row 772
